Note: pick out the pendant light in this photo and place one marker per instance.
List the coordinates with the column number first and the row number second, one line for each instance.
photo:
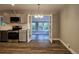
column 13, row 4
column 38, row 15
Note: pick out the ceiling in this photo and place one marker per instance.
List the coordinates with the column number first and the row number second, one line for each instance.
column 32, row 8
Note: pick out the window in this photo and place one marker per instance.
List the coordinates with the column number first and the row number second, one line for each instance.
column 40, row 26
column 46, row 26
column 33, row 26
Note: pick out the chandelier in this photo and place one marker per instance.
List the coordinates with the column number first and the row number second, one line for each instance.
column 38, row 15
column 13, row 4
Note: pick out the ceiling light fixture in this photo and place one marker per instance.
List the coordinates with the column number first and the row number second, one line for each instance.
column 38, row 16
column 12, row 4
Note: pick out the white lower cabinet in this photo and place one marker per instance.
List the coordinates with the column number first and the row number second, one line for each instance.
column 23, row 35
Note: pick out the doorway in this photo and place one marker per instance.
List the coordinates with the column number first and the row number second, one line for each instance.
column 40, row 28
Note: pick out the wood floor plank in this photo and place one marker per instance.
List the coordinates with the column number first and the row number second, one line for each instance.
column 34, row 47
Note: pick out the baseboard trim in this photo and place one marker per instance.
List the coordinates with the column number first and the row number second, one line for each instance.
column 71, row 50
column 56, row 39
column 22, row 41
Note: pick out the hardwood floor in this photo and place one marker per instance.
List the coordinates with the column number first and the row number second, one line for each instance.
column 34, row 47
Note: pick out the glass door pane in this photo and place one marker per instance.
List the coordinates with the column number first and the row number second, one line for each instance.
column 46, row 26
column 40, row 26
column 33, row 26
column 40, row 29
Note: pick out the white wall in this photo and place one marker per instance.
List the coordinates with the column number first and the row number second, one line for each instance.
column 56, row 25
column 70, row 26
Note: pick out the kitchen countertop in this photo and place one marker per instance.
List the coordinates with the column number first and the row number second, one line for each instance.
column 24, row 26
column 9, row 27
column 5, row 27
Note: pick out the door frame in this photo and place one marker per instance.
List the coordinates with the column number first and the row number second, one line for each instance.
column 29, row 27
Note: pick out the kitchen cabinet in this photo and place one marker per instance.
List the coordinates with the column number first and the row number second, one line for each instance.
column 3, row 36
column 23, row 35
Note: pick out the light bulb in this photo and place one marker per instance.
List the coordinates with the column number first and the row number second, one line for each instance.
column 12, row 4
column 36, row 16
column 41, row 16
